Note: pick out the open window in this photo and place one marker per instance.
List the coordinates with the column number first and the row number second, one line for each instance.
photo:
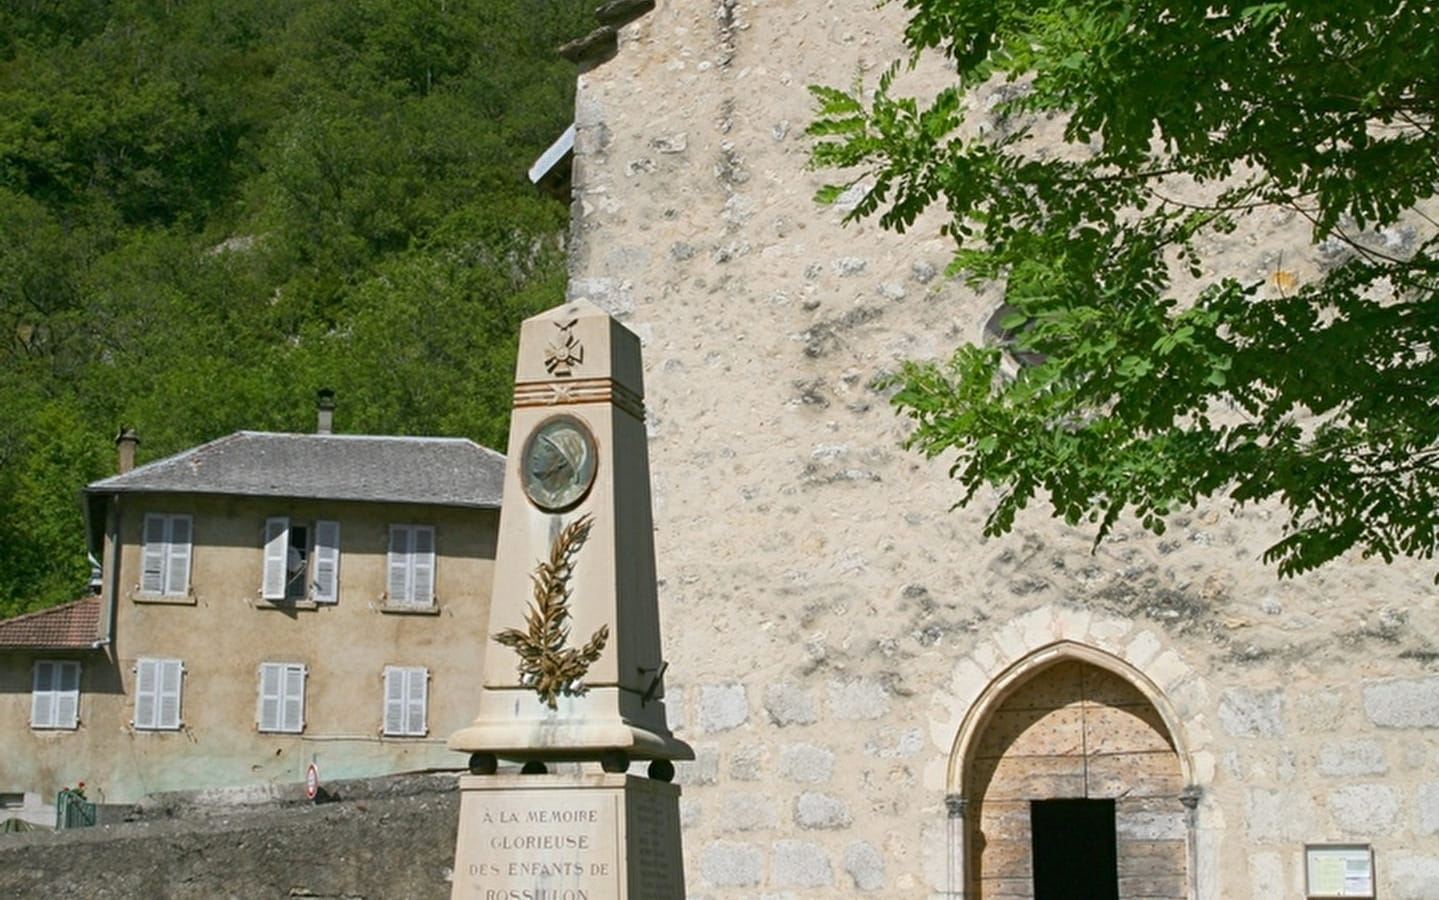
column 302, row 560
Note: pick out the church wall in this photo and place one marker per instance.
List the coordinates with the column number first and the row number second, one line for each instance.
column 829, row 620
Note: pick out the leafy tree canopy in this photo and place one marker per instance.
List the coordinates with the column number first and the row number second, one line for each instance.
column 211, row 209
column 1151, row 381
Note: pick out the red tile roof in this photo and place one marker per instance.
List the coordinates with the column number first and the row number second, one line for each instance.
column 69, row 626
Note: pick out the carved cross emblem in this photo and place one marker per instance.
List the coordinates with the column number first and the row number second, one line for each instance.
column 565, row 352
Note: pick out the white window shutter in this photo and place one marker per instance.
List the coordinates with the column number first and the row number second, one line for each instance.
column 394, row 700
column 423, row 566
column 418, row 689
column 271, row 683
column 397, row 584
column 42, row 696
column 177, row 569
column 171, row 673
column 67, row 700
column 147, row 678
column 294, row 714
column 277, row 546
column 327, row 562
column 152, row 566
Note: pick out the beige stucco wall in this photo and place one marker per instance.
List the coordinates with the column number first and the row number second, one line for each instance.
column 830, row 622
column 224, row 631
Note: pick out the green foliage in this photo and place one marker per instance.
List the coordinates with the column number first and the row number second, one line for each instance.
column 1180, row 120
column 209, row 210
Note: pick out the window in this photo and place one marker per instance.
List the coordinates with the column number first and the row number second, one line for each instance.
column 406, row 690
column 282, row 697
column 411, row 565
column 165, row 565
column 299, row 566
column 157, row 694
column 55, row 701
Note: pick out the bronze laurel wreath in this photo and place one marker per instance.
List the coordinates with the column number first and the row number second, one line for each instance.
column 546, row 664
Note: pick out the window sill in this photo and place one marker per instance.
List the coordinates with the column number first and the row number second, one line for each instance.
column 164, row 599
column 288, row 604
column 402, row 609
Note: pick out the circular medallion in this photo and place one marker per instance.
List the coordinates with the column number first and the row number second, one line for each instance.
column 558, row 463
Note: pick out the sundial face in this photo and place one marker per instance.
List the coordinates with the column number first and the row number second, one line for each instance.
column 558, row 463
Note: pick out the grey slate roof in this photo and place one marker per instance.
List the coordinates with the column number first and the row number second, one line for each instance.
column 432, row 470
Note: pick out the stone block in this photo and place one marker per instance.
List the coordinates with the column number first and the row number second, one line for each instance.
column 730, row 864
column 1143, row 648
column 1349, row 758
column 1073, row 624
column 968, row 680
column 1251, row 713
column 703, row 769
column 888, row 744
column 1266, row 875
column 675, row 708
column 1403, row 703
column 857, row 698
column 865, row 865
column 747, row 763
column 814, row 810
column 1365, row 810
column 789, row 704
column 1427, row 803
column 1271, row 815
column 1413, row 877
column 691, row 812
column 800, row 864
column 742, row 811
column 722, row 707
column 806, row 763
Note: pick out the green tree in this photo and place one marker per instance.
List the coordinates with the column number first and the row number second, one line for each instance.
column 210, row 209
column 1152, row 383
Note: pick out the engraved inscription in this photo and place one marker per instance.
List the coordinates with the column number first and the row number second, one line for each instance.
column 537, row 846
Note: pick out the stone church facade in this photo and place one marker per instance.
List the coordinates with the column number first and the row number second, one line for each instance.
column 882, row 701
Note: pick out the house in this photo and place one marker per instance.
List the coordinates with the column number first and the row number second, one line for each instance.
column 267, row 601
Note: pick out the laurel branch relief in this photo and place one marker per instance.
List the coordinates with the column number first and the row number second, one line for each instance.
column 546, row 664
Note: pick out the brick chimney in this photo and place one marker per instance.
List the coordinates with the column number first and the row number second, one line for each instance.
column 125, row 443
column 325, row 403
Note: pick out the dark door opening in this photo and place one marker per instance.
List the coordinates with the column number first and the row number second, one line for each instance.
column 1074, row 850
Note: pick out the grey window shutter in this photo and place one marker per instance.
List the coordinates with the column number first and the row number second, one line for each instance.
column 397, row 584
column 152, row 565
column 294, row 713
column 423, row 566
column 147, row 677
column 327, row 561
column 170, row 675
column 67, row 700
column 42, row 696
column 394, row 700
column 277, row 546
column 416, row 701
column 177, row 564
column 272, row 679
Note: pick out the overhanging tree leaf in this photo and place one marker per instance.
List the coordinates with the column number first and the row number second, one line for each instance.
column 1145, row 393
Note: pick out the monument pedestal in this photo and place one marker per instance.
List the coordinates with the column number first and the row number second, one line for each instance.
column 603, row 836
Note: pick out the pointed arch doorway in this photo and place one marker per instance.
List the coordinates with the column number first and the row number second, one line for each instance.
column 1073, row 784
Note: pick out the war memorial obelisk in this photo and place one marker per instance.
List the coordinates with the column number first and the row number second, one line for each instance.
column 573, row 667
